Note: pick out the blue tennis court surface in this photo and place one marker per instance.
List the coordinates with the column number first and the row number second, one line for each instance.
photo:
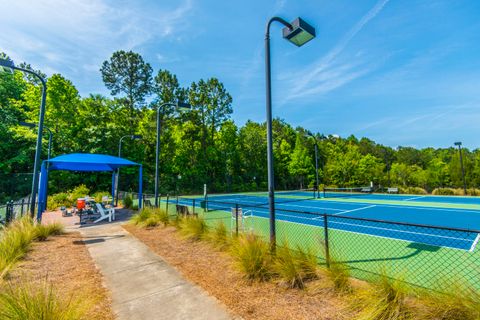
column 340, row 211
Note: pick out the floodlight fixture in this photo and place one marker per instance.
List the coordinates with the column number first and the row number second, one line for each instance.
column 27, row 124
column 299, row 32
column 458, row 143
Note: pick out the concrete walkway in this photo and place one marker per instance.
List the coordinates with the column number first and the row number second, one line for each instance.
column 142, row 284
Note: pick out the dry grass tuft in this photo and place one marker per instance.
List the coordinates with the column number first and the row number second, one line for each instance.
column 193, row 228
column 252, row 256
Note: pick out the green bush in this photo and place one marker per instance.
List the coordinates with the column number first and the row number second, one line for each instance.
column 79, row 192
column 295, row 267
column 443, row 192
column 100, row 194
column 412, row 190
column 252, row 257
column 127, row 202
column 58, row 200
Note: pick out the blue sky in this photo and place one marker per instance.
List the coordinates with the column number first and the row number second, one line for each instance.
column 399, row 72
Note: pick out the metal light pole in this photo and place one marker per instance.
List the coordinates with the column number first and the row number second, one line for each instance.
column 298, row 32
column 459, row 144
column 180, row 106
column 117, row 178
column 33, row 125
column 7, row 64
column 316, row 163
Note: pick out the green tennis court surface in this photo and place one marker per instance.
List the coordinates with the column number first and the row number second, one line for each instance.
column 430, row 241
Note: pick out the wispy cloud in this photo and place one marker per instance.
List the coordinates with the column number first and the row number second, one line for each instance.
column 75, row 35
column 313, row 79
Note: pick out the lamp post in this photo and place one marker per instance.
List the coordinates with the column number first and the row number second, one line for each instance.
column 179, row 106
column 459, row 145
column 117, row 178
column 33, row 125
column 316, row 163
column 8, row 65
column 298, row 32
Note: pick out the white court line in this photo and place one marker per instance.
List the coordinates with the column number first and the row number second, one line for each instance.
column 399, row 206
column 419, row 197
column 474, row 244
column 358, row 209
column 374, row 235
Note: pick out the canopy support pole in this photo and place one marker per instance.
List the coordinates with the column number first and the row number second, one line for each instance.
column 113, row 187
column 140, row 188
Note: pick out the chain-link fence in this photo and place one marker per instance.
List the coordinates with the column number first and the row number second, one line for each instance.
column 423, row 256
column 14, row 209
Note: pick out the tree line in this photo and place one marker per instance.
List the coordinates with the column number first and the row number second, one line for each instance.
column 203, row 145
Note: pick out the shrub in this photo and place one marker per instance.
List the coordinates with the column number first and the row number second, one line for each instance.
column 463, row 303
column 27, row 301
column 252, row 256
column 218, row 236
column 79, row 192
column 295, row 266
column 443, row 192
column 413, row 190
column 100, row 194
column 42, row 232
column 127, row 202
column 384, row 300
column 15, row 241
column 193, row 228
column 140, row 217
column 58, row 200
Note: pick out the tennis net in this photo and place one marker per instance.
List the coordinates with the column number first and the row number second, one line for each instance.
column 346, row 192
column 261, row 198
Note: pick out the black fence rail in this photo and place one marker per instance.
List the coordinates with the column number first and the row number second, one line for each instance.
column 424, row 256
column 14, row 209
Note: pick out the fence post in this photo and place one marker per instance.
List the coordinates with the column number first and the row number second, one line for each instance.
column 177, row 199
column 236, row 219
column 166, row 205
column 9, row 213
column 193, row 202
column 21, row 210
column 327, row 246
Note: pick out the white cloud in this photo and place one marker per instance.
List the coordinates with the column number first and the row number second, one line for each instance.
column 326, row 74
column 75, row 36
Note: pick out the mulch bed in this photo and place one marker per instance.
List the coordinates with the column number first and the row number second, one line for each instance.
column 64, row 262
column 214, row 271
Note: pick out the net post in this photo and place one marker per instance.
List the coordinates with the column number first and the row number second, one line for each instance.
column 327, row 245
column 166, row 209
column 236, row 219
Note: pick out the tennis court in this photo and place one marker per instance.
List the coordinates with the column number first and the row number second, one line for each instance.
column 452, row 218
column 421, row 242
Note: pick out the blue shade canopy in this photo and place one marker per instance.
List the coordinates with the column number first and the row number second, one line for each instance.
column 88, row 162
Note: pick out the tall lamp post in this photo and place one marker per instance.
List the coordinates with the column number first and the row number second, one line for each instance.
column 8, row 65
column 298, row 32
column 459, row 145
column 33, row 125
column 316, row 162
column 179, row 106
column 117, row 178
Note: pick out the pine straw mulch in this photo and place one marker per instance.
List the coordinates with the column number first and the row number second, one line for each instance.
column 64, row 262
column 215, row 272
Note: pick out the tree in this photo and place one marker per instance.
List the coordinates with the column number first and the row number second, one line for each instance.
column 301, row 163
column 128, row 74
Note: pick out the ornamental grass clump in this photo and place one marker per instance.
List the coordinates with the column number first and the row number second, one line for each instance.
column 193, row 228
column 32, row 301
column 218, row 236
column 252, row 257
column 15, row 241
column 43, row 231
column 383, row 300
column 141, row 217
column 295, row 267
column 461, row 303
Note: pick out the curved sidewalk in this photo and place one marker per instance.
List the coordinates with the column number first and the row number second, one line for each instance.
column 142, row 284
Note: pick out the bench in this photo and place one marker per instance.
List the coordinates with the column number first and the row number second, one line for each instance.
column 147, row 203
column 183, row 210
column 392, row 190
